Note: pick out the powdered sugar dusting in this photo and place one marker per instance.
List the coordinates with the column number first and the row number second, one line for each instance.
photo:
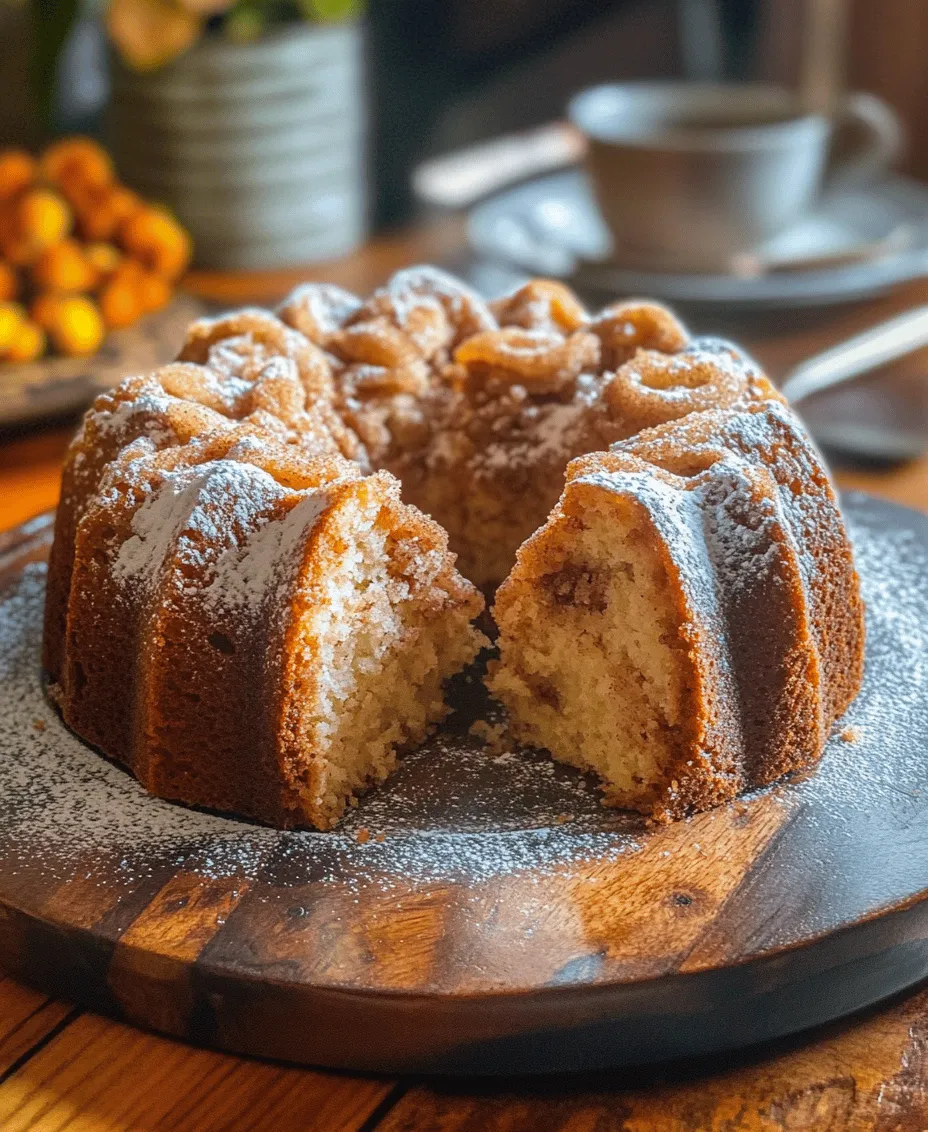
column 319, row 309
column 419, row 286
column 551, row 438
column 245, row 575
column 149, row 403
column 455, row 813
column 745, row 527
column 157, row 524
column 240, row 530
column 63, row 804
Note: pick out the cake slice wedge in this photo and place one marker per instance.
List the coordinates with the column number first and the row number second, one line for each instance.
column 258, row 631
column 688, row 622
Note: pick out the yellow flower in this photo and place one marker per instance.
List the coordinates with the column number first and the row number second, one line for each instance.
column 150, row 33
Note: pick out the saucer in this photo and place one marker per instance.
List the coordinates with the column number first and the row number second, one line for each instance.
column 551, row 226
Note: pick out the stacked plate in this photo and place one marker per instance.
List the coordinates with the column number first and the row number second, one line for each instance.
column 257, row 147
column 857, row 243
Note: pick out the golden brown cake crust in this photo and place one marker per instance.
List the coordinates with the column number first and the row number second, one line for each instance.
column 202, row 507
column 184, row 677
column 170, row 407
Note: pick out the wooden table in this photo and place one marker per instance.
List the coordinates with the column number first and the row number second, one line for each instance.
column 63, row 1068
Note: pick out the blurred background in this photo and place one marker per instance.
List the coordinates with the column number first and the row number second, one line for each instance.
column 414, row 78
column 236, row 146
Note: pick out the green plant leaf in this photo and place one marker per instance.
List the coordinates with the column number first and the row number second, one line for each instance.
column 244, row 23
column 327, row 10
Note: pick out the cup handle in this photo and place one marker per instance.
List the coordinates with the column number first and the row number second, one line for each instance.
column 867, row 141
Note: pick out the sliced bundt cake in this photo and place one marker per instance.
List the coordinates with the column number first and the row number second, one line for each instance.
column 249, row 618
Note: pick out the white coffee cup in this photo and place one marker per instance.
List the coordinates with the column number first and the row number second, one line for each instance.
column 689, row 175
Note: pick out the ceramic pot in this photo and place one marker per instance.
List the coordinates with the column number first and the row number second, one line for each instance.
column 258, row 147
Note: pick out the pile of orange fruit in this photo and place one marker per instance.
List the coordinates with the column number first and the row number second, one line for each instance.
column 80, row 254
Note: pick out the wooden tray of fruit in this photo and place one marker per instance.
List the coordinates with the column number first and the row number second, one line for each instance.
column 88, row 280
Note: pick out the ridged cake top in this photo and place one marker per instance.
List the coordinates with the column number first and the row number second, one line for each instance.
column 231, row 523
column 425, row 369
column 231, row 509
column 755, row 466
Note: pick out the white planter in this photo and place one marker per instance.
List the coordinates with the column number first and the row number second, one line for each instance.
column 258, row 147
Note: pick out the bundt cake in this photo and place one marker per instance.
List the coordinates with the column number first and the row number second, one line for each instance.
column 478, row 408
column 700, row 581
column 236, row 611
column 242, row 610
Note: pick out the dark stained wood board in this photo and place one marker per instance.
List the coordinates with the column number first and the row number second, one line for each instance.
column 868, row 1075
column 479, row 913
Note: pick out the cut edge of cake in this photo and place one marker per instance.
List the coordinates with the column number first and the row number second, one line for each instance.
column 677, row 626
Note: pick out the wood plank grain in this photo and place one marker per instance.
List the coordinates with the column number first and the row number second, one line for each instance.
column 25, row 1018
column 871, row 1077
column 98, row 1076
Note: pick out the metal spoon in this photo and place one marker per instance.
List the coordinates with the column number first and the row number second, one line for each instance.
column 858, row 355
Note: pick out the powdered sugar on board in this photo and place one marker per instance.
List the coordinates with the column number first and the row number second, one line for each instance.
column 63, row 804
column 457, row 812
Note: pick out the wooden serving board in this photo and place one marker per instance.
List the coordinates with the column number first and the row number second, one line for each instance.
column 55, row 386
column 480, row 913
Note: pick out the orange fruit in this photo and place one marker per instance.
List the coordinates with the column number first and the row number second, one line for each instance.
column 9, row 282
column 120, row 303
column 103, row 258
column 77, row 327
column 101, row 213
column 17, row 172
column 82, row 197
column 130, row 269
column 15, row 250
column 75, row 162
column 44, row 310
column 154, row 237
column 39, row 218
column 154, row 291
column 28, row 343
column 63, row 267
column 11, row 316
column 19, row 252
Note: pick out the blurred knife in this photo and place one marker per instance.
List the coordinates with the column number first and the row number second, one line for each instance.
column 867, row 351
